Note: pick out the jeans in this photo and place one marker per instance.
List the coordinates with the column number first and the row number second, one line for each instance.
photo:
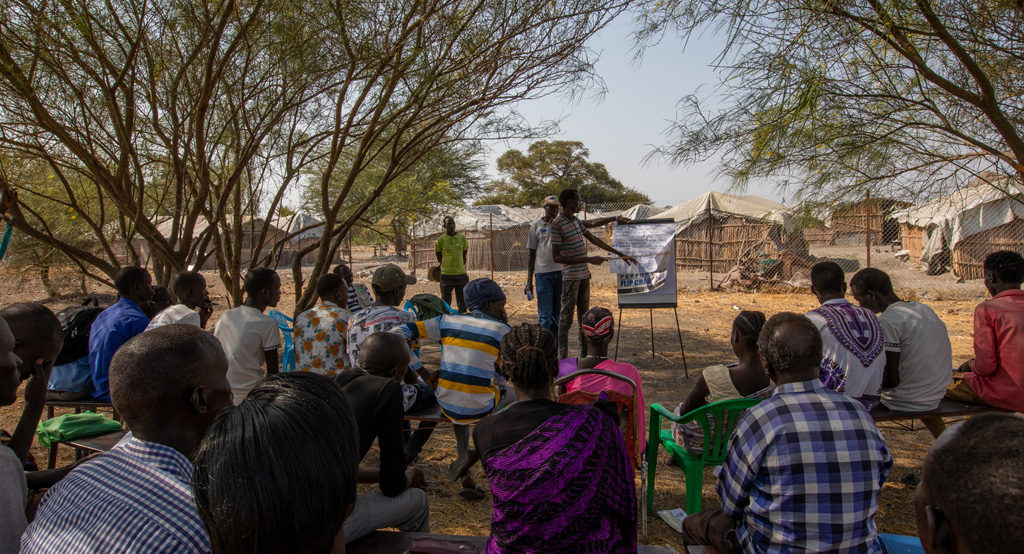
column 409, row 511
column 456, row 283
column 549, row 300
column 575, row 297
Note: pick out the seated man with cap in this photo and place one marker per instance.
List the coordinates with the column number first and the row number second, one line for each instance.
column 469, row 387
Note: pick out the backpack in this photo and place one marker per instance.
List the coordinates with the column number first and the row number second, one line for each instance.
column 427, row 306
column 77, row 324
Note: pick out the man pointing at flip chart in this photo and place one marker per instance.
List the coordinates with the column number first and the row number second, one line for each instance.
column 569, row 247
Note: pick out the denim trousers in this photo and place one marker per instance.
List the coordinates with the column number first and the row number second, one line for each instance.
column 549, row 300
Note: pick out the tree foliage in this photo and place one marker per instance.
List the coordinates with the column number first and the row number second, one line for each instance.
column 906, row 98
column 546, row 168
column 175, row 128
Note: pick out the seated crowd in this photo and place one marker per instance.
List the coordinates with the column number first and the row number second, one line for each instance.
column 225, row 455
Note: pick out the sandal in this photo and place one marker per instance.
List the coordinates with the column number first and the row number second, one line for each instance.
column 475, row 493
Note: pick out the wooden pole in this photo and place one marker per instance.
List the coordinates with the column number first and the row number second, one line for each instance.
column 492, row 246
column 867, row 208
column 711, row 252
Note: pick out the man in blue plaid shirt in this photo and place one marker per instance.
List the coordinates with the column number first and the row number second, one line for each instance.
column 805, row 466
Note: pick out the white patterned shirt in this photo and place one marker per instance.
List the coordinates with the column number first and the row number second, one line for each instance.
column 853, row 343
column 320, row 338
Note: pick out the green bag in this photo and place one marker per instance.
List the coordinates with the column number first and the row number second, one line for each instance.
column 71, row 426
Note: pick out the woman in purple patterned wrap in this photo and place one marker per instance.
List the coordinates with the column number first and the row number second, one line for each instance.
column 560, row 476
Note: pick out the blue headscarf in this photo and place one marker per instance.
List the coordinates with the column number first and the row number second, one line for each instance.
column 481, row 291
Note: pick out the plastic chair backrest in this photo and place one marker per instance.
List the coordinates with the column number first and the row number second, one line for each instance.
column 718, row 420
column 283, row 322
column 634, row 413
column 426, row 306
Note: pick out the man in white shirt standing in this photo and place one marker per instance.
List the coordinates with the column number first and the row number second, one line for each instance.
column 193, row 307
column 249, row 337
column 853, row 342
column 541, row 264
column 918, row 354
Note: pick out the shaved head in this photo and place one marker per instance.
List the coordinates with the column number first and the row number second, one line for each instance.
column 156, row 376
column 381, row 353
column 37, row 334
column 791, row 344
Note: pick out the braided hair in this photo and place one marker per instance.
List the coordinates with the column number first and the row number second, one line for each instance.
column 749, row 324
column 529, row 356
column 1006, row 265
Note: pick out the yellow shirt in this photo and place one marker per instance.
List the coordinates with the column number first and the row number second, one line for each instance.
column 451, row 249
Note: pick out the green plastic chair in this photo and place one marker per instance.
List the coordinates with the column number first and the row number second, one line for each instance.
column 724, row 415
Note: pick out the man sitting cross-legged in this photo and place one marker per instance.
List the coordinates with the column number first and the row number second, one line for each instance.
column 194, row 306
column 377, row 403
column 804, row 467
column 996, row 374
column 972, row 487
column 469, row 387
column 168, row 384
column 918, row 354
column 853, row 341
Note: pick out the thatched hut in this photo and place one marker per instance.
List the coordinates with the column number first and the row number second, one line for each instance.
column 507, row 226
column 961, row 229
column 717, row 231
column 850, row 222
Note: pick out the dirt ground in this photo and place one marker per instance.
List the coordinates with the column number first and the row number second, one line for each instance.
column 705, row 318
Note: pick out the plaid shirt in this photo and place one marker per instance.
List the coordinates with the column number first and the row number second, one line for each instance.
column 803, row 473
column 135, row 498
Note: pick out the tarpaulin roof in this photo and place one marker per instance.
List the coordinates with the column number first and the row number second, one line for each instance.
column 469, row 219
column 297, row 222
column 968, row 211
column 718, row 204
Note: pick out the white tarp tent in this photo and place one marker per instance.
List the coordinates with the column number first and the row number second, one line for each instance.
column 470, row 219
column 968, row 211
column 718, row 204
column 642, row 211
column 314, row 228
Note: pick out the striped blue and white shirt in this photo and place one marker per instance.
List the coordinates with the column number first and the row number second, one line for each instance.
column 803, row 473
column 466, row 389
column 135, row 498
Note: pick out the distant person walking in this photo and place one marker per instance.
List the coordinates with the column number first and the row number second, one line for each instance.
column 548, row 273
column 451, row 249
column 569, row 247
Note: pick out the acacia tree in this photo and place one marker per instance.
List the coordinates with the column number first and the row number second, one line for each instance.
column 187, row 122
column 907, row 98
column 547, row 167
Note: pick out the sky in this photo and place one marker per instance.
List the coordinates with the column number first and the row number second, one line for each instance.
column 625, row 124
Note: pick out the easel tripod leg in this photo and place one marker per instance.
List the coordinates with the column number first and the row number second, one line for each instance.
column 617, row 334
column 681, row 349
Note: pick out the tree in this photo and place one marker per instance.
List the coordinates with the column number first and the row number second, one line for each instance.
column 188, row 122
column 550, row 166
column 905, row 98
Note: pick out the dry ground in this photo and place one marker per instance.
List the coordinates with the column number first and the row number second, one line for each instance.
column 704, row 317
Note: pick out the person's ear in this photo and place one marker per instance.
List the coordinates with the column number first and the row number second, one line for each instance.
column 938, row 532
column 198, row 400
column 844, row 288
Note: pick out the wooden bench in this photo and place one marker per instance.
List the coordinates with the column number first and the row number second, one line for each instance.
column 947, row 408
column 78, row 406
column 95, row 443
column 393, row 541
column 701, row 550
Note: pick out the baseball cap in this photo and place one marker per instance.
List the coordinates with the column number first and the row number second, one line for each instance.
column 389, row 277
column 550, row 201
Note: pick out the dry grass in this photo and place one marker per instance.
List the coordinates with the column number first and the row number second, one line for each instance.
column 705, row 319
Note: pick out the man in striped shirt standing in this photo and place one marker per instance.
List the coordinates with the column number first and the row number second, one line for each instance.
column 469, row 387
column 569, row 247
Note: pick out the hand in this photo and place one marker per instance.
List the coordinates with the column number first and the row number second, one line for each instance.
column 528, row 289
column 965, row 367
column 596, row 260
column 432, row 379
column 205, row 311
column 621, row 219
column 8, row 200
column 414, row 478
column 35, row 390
column 631, row 260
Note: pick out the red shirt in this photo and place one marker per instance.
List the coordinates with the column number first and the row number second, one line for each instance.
column 998, row 370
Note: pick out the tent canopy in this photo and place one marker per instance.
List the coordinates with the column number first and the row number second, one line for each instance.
column 718, row 204
column 297, row 222
column 469, row 219
column 977, row 207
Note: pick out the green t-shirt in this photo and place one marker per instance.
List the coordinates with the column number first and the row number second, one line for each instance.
column 451, row 249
